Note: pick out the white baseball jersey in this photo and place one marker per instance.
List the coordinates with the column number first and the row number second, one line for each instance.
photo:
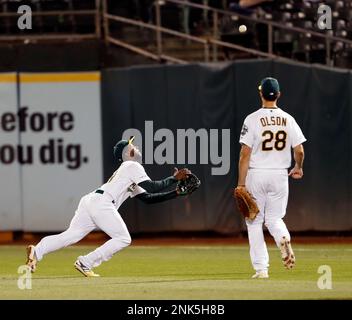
column 124, row 182
column 271, row 133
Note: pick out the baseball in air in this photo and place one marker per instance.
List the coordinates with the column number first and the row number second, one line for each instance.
column 242, row 28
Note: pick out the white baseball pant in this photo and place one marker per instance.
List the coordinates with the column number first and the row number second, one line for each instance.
column 270, row 190
column 94, row 211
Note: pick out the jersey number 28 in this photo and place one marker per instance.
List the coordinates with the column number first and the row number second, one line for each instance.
column 280, row 140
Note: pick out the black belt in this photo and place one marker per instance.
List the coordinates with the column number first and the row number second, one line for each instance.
column 102, row 192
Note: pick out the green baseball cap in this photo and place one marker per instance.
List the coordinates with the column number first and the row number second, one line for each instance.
column 118, row 148
column 270, row 88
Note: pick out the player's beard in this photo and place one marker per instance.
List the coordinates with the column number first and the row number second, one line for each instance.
column 137, row 156
column 134, row 155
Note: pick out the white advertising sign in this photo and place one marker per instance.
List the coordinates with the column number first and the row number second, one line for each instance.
column 60, row 125
column 10, row 186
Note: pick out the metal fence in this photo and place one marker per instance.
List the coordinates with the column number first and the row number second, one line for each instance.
column 34, row 35
column 212, row 40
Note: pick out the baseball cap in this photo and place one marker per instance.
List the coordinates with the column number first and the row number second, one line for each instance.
column 118, row 148
column 270, row 88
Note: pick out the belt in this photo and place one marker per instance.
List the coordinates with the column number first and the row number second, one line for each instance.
column 102, row 192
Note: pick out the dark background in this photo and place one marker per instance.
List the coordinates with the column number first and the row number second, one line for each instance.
column 221, row 96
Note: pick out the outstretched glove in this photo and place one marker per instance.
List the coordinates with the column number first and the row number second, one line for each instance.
column 188, row 185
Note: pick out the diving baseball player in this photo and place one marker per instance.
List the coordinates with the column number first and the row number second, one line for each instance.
column 267, row 137
column 100, row 209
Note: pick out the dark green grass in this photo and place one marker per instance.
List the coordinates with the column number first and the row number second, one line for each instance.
column 180, row 272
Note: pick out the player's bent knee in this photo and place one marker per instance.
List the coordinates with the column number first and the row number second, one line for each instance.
column 72, row 237
column 120, row 243
column 277, row 229
column 127, row 240
column 271, row 224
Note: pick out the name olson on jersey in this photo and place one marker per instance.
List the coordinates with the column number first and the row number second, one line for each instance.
column 273, row 121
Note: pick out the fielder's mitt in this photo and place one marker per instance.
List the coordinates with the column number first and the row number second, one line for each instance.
column 188, row 185
column 245, row 203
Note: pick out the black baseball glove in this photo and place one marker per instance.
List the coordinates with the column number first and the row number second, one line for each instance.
column 188, row 185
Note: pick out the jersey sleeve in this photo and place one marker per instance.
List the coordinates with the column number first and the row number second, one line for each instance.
column 297, row 136
column 247, row 134
column 137, row 173
column 137, row 190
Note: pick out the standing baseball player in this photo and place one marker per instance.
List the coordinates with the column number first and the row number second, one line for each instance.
column 267, row 137
column 99, row 209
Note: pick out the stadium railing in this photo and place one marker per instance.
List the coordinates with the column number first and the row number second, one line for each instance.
column 40, row 36
column 213, row 39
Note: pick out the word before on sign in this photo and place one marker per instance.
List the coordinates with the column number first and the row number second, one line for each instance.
column 36, row 121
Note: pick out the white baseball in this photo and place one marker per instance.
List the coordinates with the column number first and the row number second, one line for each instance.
column 242, row 28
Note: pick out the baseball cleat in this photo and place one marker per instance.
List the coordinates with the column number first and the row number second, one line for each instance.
column 85, row 270
column 31, row 258
column 261, row 275
column 287, row 255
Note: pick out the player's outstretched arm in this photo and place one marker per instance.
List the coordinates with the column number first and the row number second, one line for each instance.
column 186, row 186
column 158, row 185
column 150, row 198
